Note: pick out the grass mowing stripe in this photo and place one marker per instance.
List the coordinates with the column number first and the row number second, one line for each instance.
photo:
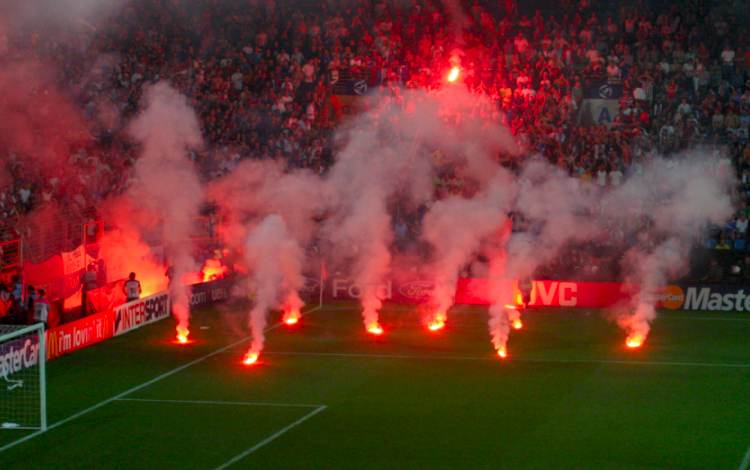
column 141, row 386
column 494, row 359
column 270, row 438
column 218, row 402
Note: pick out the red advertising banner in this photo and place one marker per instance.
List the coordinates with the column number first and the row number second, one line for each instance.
column 473, row 291
column 549, row 293
column 79, row 334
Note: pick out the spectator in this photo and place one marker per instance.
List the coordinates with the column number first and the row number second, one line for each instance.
column 41, row 309
column 132, row 288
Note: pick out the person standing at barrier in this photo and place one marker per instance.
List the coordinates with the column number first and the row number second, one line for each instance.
column 88, row 283
column 525, row 285
column 17, row 292
column 41, row 309
column 6, row 302
column 132, row 288
column 30, row 301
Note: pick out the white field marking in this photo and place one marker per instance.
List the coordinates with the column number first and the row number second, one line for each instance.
column 220, row 402
column 511, row 360
column 141, row 386
column 745, row 461
column 270, row 438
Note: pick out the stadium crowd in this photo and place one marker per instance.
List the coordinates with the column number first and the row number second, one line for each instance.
column 265, row 78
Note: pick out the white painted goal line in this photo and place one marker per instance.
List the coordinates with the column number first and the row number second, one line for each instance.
column 141, row 386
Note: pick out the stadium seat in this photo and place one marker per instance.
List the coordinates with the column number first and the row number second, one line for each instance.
column 739, row 245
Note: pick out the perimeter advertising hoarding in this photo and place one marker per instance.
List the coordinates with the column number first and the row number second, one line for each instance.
column 79, row 334
column 706, row 297
column 472, row 291
column 137, row 313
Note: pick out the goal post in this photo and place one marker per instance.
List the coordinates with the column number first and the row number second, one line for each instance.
column 23, row 387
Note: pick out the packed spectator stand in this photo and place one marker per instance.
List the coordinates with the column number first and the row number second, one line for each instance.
column 265, row 78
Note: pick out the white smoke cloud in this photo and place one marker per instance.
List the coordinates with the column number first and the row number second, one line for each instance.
column 167, row 184
column 275, row 260
column 456, row 227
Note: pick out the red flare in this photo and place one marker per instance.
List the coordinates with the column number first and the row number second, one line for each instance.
column 292, row 317
column 436, row 325
column 213, row 269
column 517, row 324
column 635, row 340
column 454, row 74
column 502, row 352
column 183, row 335
column 375, row 329
column 250, row 358
column 511, row 307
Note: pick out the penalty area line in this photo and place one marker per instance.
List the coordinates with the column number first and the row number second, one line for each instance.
column 141, row 386
column 745, row 461
column 270, row 438
column 220, row 402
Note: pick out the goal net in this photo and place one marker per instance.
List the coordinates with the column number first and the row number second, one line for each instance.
column 22, row 378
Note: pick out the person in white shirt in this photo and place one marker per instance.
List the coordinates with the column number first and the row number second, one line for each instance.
column 41, row 308
column 742, row 225
column 615, row 177
column 132, row 288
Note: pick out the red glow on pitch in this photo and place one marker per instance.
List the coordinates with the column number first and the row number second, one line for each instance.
column 375, row 329
column 250, row 358
column 635, row 341
column 454, row 74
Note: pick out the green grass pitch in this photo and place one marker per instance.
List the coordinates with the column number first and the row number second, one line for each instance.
column 326, row 395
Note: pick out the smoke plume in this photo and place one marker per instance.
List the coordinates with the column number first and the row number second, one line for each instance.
column 455, row 227
column 275, row 260
column 167, row 184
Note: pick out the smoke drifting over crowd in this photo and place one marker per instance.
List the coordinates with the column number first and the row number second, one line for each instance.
column 515, row 212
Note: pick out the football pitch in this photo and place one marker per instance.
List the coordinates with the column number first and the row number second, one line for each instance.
column 325, row 395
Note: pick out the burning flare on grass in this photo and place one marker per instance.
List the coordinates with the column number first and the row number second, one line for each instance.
column 502, row 352
column 454, row 74
column 517, row 324
column 437, row 322
column 291, row 317
column 251, row 357
column 635, row 340
column 183, row 334
column 375, row 329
